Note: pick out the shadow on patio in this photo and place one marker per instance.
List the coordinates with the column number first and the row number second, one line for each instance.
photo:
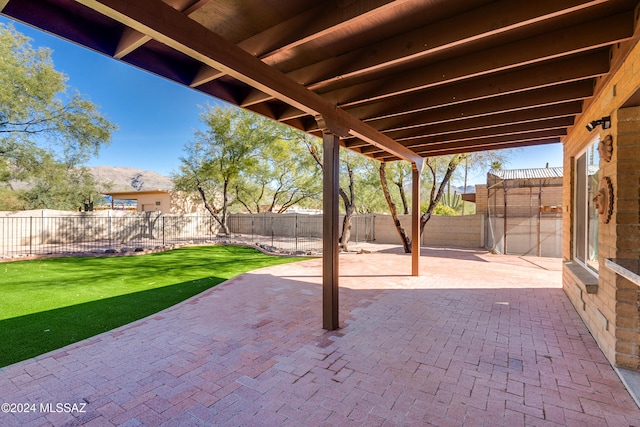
column 479, row 339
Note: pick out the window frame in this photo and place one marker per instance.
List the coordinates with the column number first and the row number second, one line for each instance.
column 585, row 218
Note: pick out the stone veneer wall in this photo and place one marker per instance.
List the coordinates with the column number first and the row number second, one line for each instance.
column 608, row 303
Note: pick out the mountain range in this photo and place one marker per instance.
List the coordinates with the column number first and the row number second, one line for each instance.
column 118, row 178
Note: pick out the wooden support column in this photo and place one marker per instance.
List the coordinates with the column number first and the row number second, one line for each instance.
column 330, row 234
column 415, row 220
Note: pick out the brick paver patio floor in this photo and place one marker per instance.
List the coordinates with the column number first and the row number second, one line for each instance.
column 477, row 340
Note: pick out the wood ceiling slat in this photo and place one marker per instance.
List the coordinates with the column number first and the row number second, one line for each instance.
column 566, row 109
column 419, row 141
column 567, row 41
column 575, row 67
column 532, row 115
column 487, row 147
column 486, row 107
column 488, row 21
column 84, row 25
column 310, row 25
column 491, row 143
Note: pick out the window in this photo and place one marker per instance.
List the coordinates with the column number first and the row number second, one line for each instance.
column 585, row 215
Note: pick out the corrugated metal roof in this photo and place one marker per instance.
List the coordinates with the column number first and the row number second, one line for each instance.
column 536, row 173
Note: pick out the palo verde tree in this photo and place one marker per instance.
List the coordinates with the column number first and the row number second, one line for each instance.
column 355, row 186
column 284, row 175
column 398, row 175
column 436, row 177
column 45, row 132
column 217, row 157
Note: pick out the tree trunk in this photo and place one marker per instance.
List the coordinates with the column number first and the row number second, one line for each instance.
column 225, row 206
column 406, row 242
column 213, row 211
column 346, row 230
column 349, row 209
column 347, row 199
column 436, row 196
column 403, row 197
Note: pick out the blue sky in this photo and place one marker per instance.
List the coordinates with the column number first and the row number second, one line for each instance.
column 157, row 117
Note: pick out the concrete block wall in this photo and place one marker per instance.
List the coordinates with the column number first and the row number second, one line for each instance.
column 463, row 231
column 41, row 227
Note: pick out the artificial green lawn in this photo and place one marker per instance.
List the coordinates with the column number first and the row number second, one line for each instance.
column 46, row 304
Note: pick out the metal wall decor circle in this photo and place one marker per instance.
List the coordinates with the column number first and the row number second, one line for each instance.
column 603, row 200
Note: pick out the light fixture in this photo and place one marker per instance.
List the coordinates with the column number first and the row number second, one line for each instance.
column 605, row 122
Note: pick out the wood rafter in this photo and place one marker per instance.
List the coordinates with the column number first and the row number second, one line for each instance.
column 310, row 25
column 418, row 142
column 547, row 46
column 132, row 39
column 532, row 115
column 389, row 76
column 576, row 67
column 486, row 107
column 565, row 41
column 174, row 29
column 496, row 143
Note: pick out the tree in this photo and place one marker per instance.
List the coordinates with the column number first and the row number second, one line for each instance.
column 440, row 170
column 43, row 129
column 446, row 166
column 354, row 181
column 284, row 176
column 61, row 187
column 217, row 157
column 406, row 241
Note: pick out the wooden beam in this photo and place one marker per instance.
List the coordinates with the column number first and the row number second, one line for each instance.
column 565, row 70
column 169, row 26
column 487, row 147
column 471, row 26
column 494, row 140
column 482, row 144
column 486, row 107
column 205, row 74
column 547, row 46
column 549, row 73
column 188, row 7
column 421, row 140
column 567, row 110
column 129, row 41
column 330, row 234
column 477, row 24
column 415, row 221
column 310, row 25
column 132, row 39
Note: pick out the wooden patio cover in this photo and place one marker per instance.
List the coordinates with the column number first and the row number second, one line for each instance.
column 391, row 79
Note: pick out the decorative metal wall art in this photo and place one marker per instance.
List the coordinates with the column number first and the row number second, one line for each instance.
column 605, row 148
column 603, row 200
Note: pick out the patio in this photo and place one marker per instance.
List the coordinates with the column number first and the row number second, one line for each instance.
column 479, row 339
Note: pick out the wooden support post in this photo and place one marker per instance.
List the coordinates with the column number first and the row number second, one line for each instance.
column 330, row 234
column 415, row 220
